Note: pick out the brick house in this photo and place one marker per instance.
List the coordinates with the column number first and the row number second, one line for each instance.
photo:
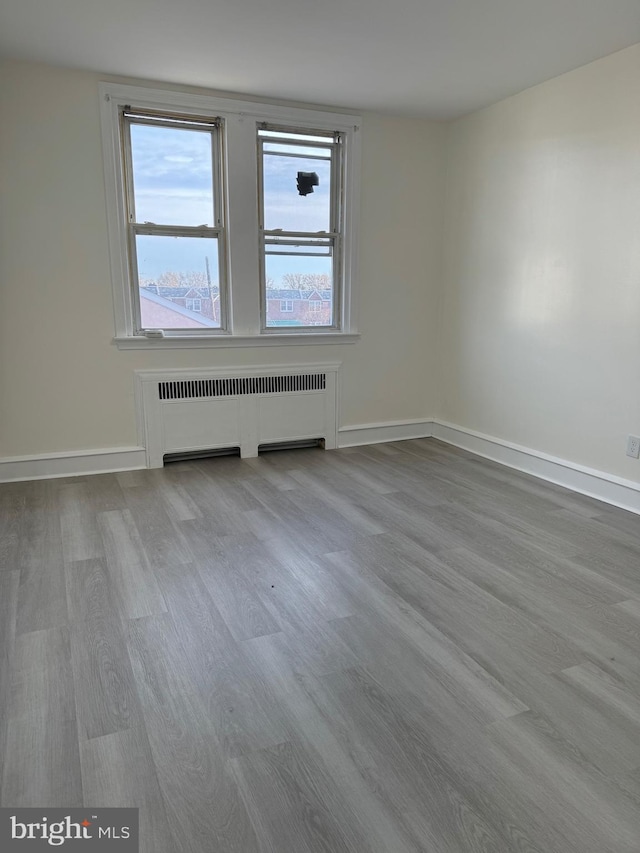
column 200, row 300
column 285, row 307
column 299, row 307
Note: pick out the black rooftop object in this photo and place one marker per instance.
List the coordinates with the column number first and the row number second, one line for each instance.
column 306, row 182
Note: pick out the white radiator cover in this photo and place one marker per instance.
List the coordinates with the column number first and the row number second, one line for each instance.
column 212, row 408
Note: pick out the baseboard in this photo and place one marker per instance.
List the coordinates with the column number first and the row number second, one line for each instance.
column 352, row 436
column 588, row 481
column 47, row 465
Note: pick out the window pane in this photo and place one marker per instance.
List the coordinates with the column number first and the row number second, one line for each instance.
column 309, row 151
column 289, row 246
column 284, row 207
column 178, row 282
column 172, row 175
column 299, row 290
column 286, row 134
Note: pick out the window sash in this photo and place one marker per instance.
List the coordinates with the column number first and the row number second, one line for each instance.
column 128, row 117
column 332, row 239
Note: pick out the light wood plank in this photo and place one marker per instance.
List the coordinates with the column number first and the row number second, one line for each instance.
column 204, row 807
column 42, row 764
column 118, row 772
column 42, row 599
column 134, row 586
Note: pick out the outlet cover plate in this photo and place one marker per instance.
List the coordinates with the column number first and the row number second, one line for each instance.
column 633, row 446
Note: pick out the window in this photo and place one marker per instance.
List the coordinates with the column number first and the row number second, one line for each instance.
column 174, row 213
column 252, row 206
column 300, row 215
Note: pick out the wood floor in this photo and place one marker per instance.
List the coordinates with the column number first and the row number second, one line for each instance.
column 394, row 648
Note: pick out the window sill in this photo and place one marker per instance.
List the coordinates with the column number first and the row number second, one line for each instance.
column 211, row 341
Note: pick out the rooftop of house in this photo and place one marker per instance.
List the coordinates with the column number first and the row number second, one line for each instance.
column 206, row 292
column 274, row 293
column 181, row 292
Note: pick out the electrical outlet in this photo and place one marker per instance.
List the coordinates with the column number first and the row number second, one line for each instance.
column 633, row 446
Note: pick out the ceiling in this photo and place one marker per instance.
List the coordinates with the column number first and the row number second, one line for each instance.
column 435, row 58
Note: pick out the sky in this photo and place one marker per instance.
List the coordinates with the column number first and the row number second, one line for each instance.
column 173, row 185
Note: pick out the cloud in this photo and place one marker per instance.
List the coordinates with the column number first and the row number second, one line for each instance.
column 173, row 179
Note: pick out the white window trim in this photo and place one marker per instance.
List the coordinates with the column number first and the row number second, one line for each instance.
column 242, row 195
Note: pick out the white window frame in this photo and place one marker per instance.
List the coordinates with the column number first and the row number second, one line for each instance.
column 242, row 257
column 192, row 306
column 211, row 126
column 286, row 306
column 332, row 239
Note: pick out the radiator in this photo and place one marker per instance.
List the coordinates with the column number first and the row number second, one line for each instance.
column 183, row 411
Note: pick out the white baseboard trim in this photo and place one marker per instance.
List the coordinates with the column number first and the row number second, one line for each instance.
column 352, row 436
column 588, row 481
column 71, row 464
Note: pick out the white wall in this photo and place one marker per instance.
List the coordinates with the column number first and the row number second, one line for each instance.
column 540, row 333
column 539, row 325
column 63, row 386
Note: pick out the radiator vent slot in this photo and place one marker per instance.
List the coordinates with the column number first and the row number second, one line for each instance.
column 202, row 389
column 291, row 445
column 188, row 455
